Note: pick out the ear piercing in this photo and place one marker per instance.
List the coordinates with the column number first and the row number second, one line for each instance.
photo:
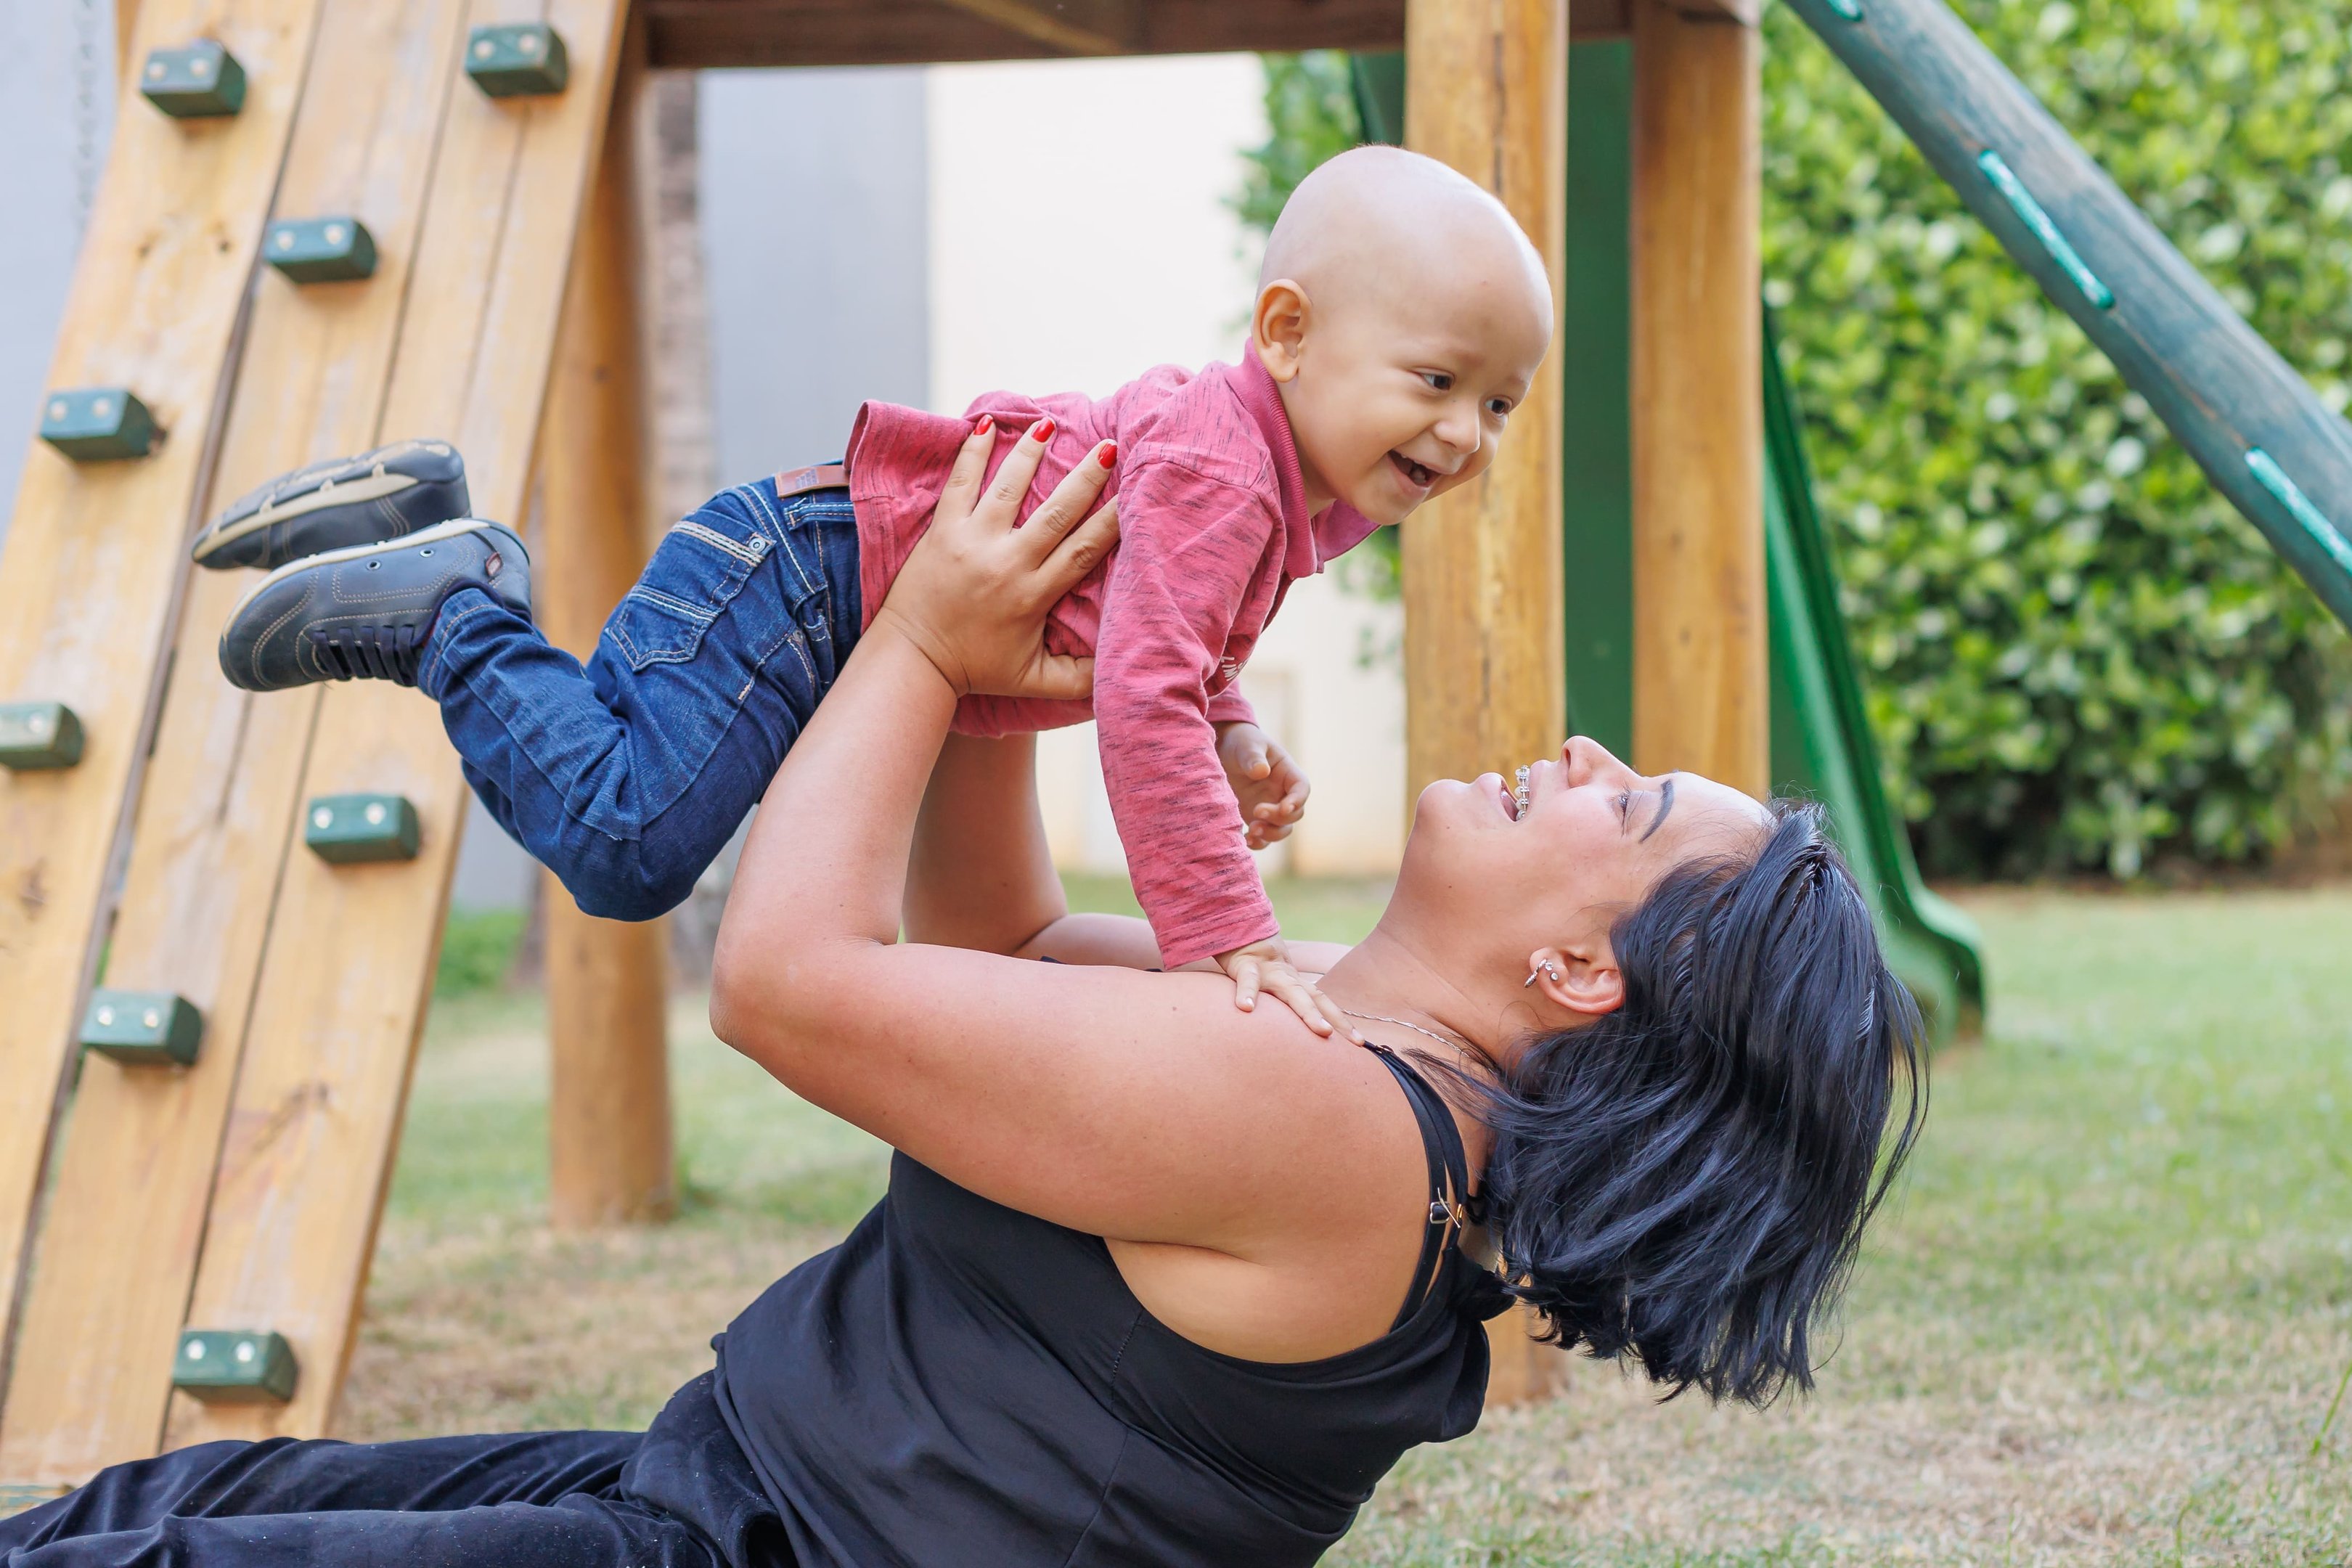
column 1548, row 968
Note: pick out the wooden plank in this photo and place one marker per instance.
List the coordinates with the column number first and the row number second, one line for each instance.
column 1702, row 689
column 1485, row 668
column 610, row 1155
column 1065, row 27
column 321, row 1090
column 696, row 34
column 92, row 568
column 126, row 24
column 126, row 1208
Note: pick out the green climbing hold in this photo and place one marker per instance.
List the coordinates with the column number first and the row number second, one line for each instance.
column 197, row 81
column 142, row 1028
column 234, row 1366
column 524, row 59
column 97, row 423
column 320, row 249
column 348, row 829
column 38, row 735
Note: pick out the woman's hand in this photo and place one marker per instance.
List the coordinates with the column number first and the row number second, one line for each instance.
column 973, row 595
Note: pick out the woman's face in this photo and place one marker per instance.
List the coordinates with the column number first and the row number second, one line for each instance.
column 1593, row 839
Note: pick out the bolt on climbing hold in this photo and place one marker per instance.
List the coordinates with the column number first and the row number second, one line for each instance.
column 235, row 1366
column 523, row 59
column 197, row 81
column 142, row 1028
column 38, row 735
column 2323, row 532
column 2036, row 219
column 97, row 423
column 320, row 249
column 350, row 829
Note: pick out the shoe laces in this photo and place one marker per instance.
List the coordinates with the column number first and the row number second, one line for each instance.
column 380, row 653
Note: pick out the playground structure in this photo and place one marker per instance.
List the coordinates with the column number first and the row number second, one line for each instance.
column 234, row 903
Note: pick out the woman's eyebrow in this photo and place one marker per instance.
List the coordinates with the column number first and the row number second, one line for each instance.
column 1665, row 804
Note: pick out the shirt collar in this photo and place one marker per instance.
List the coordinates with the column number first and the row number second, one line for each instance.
column 1308, row 542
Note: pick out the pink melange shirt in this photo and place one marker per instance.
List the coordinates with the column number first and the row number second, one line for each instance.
column 1214, row 528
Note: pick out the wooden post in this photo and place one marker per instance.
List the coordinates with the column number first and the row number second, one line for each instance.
column 1702, row 698
column 1486, row 677
column 1486, row 666
column 608, row 1111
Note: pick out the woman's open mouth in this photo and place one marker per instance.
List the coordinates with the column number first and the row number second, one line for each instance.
column 1420, row 476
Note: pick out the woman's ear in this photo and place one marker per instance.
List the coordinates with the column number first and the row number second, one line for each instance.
column 1278, row 327
column 1584, row 977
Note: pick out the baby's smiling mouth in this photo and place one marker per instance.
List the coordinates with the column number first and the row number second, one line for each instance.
column 1419, row 475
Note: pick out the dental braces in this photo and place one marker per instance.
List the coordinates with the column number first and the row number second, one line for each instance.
column 1519, row 794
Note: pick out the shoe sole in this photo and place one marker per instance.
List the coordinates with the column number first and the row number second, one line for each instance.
column 374, row 485
column 450, row 530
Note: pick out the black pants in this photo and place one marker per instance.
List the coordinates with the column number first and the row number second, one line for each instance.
column 679, row 1495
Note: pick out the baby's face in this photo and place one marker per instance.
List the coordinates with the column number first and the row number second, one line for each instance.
column 1406, row 382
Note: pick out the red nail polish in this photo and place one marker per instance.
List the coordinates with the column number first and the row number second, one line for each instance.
column 1109, row 455
column 1042, row 430
column 987, row 423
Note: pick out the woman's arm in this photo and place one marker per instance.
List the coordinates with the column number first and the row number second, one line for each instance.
column 1140, row 1107
column 982, row 875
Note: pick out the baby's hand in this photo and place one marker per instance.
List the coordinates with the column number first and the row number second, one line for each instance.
column 1266, row 966
column 1267, row 785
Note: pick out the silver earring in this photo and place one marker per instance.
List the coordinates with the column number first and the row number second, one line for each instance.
column 1532, row 974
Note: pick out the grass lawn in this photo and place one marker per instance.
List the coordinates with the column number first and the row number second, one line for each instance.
column 2103, row 1321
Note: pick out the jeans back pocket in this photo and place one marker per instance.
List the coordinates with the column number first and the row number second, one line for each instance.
column 693, row 577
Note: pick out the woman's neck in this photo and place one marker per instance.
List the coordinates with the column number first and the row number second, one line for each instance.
column 1384, row 979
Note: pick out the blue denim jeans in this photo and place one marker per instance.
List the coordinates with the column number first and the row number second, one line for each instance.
column 628, row 777
column 682, row 1495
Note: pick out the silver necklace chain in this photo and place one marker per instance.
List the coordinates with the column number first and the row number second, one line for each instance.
column 1456, row 1046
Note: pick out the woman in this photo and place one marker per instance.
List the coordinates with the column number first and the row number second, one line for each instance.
column 1158, row 1280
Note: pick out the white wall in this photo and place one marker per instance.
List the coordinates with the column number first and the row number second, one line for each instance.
column 57, row 114
column 1082, row 232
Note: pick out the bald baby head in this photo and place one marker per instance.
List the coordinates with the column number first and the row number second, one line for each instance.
column 1403, row 314
column 1382, row 210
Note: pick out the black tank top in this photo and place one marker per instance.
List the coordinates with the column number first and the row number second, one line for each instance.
column 960, row 1383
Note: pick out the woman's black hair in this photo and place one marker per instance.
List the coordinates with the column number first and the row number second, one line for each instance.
column 1685, row 1180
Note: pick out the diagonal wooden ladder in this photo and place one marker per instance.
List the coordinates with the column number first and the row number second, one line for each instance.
column 242, row 1192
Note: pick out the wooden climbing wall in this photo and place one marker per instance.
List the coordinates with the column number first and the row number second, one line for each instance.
column 243, row 1192
column 95, row 558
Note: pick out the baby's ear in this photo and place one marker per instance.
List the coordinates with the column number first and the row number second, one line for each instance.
column 1278, row 327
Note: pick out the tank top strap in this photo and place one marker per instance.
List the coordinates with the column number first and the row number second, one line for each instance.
column 1449, row 1177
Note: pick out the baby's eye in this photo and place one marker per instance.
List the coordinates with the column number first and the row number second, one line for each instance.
column 1438, row 380
column 1500, row 407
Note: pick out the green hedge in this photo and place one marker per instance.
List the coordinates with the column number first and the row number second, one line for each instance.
column 2077, row 654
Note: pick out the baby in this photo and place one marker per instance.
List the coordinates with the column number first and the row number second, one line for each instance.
column 1401, row 317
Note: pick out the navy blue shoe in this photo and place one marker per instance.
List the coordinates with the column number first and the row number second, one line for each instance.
column 365, row 613
column 388, row 493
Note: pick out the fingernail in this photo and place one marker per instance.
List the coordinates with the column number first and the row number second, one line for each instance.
column 1109, row 455
column 987, row 423
column 1042, row 430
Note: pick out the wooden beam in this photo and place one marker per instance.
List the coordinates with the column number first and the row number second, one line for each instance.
column 689, row 34
column 1589, row 20
column 610, row 1158
column 1065, row 27
column 126, row 24
column 1486, row 666
column 1701, row 675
